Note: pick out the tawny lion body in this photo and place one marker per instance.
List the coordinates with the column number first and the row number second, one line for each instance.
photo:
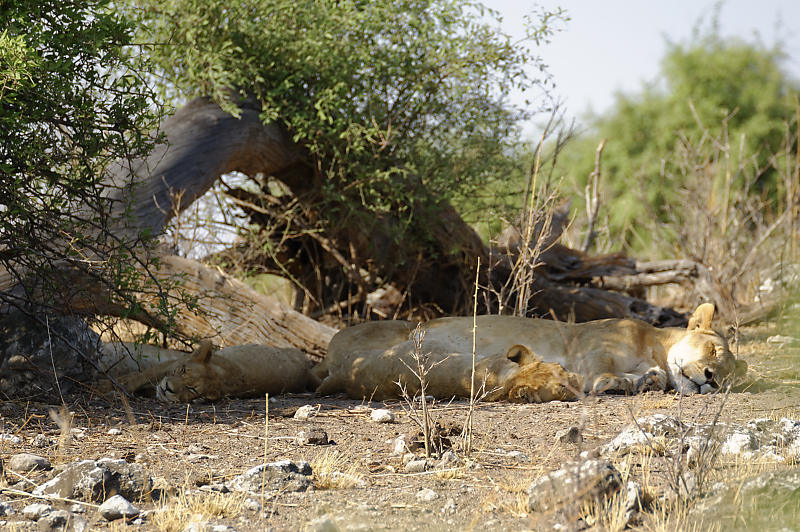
column 532, row 360
column 236, row 371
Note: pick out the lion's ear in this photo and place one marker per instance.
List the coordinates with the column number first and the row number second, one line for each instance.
column 203, row 353
column 701, row 319
column 522, row 355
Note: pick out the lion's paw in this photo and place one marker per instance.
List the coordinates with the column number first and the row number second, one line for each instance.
column 654, row 379
column 609, row 383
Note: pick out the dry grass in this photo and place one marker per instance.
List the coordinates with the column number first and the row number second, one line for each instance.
column 672, row 517
column 176, row 513
column 335, row 470
column 606, row 514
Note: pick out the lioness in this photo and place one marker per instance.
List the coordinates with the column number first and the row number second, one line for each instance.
column 612, row 355
column 236, row 371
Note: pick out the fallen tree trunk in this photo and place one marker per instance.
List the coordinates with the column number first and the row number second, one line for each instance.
column 356, row 256
column 433, row 268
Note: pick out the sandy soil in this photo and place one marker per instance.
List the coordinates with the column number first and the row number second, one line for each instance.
column 188, row 447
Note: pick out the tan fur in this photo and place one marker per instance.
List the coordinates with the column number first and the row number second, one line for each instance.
column 236, row 371
column 527, row 359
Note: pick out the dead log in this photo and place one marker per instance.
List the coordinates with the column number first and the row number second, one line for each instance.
column 437, row 269
column 434, row 266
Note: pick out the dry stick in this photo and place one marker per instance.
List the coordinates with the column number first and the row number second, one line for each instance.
column 421, row 372
column 185, row 424
column 266, row 438
column 592, row 195
column 522, row 297
column 20, row 493
column 52, row 360
column 468, row 426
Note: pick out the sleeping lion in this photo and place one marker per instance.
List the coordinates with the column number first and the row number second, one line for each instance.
column 530, row 360
column 238, row 371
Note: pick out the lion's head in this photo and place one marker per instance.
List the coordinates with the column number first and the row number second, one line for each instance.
column 191, row 379
column 540, row 382
column 701, row 361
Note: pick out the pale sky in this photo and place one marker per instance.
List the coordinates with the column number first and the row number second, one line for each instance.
column 612, row 45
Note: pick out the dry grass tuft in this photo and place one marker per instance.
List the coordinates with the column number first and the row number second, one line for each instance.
column 176, row 513
column 606, row 514
column 334, row 470
column 672, row 517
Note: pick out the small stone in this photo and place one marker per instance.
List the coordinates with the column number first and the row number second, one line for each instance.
column 416, row 466
column 9, row 438
column 449, row 507
column 633, row 498
column 305, row 412
column 196, row 448
column 6, row 509
column 449, row 459
column 215, row 488
column 575, row 483
column 427, row 495
column 116, row 507
column 781, row 339
column 78, row 524
column 252, row 505
column 114, row 432
column 570, row 435
column 323, row 524
column 40, row 440
column 36, row 511
column 206, row 527
column 55, row 519
column 399, row 444
column 25, row 462
column 382, row 415
column 312, row 436
column 519, row 456
column 194, row 458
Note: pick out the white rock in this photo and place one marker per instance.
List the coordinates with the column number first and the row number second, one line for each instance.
column 116, row 507
column 398, row 444
column 416, row 466
column 9, row 438
column 781, row 339
column 740, row 442
column 252, row 505
column 519, row 456
column 569, row 435
column 449, row 459
column 114, row 432
column 25, row 462
column 382, row 415
column 427, row 495
column 305, row 412
column 323, row 524
column 36, row 511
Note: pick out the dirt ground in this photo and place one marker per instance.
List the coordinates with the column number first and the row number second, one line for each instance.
column 188, row 447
